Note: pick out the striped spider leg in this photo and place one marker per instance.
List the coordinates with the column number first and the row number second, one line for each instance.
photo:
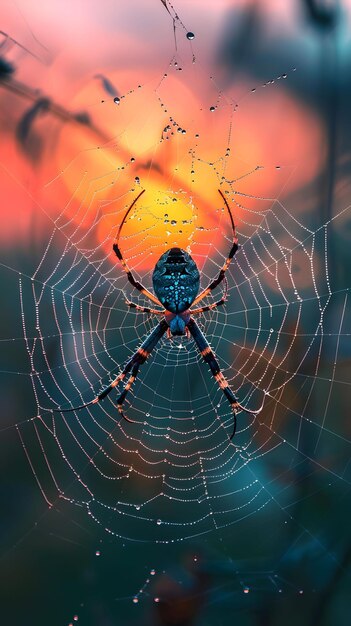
column 176, row 281
column 211, row 360
column 144, row 309
column 214, row 305
column 119, row 255
column 133, row 365
column 213, row 284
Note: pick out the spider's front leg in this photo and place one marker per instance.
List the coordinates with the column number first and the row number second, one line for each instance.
column 122, row 397
column 137, row 360
column 211, row 360
column 133, row 365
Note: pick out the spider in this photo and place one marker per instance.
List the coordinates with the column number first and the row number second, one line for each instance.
column 176, row 282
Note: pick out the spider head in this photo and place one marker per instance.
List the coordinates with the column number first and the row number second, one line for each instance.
column 177, row 323
column 176, row 280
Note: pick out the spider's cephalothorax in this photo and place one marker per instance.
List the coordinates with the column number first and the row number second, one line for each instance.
column 176, row 282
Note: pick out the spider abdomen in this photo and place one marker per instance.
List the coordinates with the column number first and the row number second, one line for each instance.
column 176, row 280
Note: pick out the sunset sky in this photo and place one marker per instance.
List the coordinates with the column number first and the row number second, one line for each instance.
column 77, row 46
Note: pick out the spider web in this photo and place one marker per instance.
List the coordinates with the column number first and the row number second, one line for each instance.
column 174, row 474
column 176, row 465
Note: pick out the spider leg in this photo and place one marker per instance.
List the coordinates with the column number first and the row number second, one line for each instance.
column 144, row 309
column 224, row 268
column 211, row 360
column 209, row 307
column 119, row 255
column 138, row 358
column 122, row 397
column 214, row 305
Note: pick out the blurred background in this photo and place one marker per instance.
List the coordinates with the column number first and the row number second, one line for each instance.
column 100, row 100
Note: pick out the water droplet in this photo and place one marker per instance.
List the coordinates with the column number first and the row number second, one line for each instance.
column 285, row 76
column 156, row 599
column 152, row 572
column 75, row 619
column 190, row 36
column 137, row 179
column 116, row 100
column 212, row 109
column 97, row 553
column 135, row 600
column 132, row 159
column 159, row 522
column 246, row 590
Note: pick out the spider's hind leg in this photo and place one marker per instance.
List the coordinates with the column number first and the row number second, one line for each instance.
column 235, row 246
column 120, row 257
column 214, row 305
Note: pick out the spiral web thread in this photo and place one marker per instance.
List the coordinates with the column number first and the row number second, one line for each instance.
column 174, row 474
column 176, row 467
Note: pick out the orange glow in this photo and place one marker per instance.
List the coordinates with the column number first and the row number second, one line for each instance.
column 99, row 180
column 89, row 175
